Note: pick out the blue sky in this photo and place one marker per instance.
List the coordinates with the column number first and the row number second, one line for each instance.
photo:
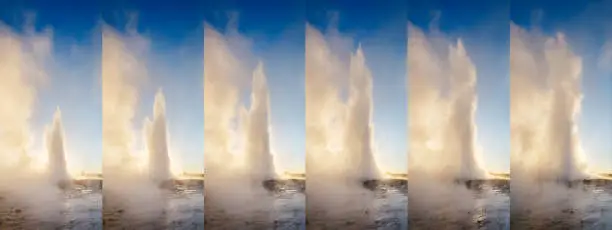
column 483, row 27
column 381, row 31
column 586, row 25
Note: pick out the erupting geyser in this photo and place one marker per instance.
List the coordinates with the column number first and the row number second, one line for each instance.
column 339, row 132
column 442, row 100
column 258, row 154
column 237, row 140
column 157, row 143
column 128, row 186
column 547, row 159
column 57, row 170
column 443, row 147
column 339, row 140
column 22, row 186
column 545, row 102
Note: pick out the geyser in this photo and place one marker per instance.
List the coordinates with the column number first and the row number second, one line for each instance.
column 339, row 133
column 443, row 147
column 237, row 139
column 547, row 157
column 545, row 103
column 57, row 170
column 22, row 187
column 258, row 154
column 442, row 99
column 157, row 143
column 128, row 188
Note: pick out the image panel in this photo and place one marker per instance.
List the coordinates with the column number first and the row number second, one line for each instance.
column 254, row 114
column 152, row 112
column 560, row 114
column 458, row 103
column 50, row 124
column 356, row 161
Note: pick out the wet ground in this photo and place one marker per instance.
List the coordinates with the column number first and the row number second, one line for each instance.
column 484, row 205
column 182, row 209
column 586, row 206
column 79, row 207
column 383, row 206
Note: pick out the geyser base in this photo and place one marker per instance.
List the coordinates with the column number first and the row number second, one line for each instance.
column 378, row 184
column 479, row 184
column 280, row 185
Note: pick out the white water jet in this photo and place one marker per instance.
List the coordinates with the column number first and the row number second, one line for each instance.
column 237, row 140
column 54, row 138
column 157, row 142
column 339, row 133
column 258, row 153
column 127, row 184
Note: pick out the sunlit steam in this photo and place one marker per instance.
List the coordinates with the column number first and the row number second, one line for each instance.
column 545, row 102
column 442, row 99
column 23, row 59
column 127, row 185
column 339, row 133
column 443, row 142
column 545, row 78
column 237, row 140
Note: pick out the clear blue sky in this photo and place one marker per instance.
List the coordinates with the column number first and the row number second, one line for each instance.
column 587, row 26
column 380, row 27
column 483, row 27
column 277, row 38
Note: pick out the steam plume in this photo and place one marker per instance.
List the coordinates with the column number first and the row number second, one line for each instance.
column 22, row 65
column 545, row 103
column 237, row 140
column 443, row 141
column 127, row 186
column 339, row 133
column 23, row 59
column 442, row 99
